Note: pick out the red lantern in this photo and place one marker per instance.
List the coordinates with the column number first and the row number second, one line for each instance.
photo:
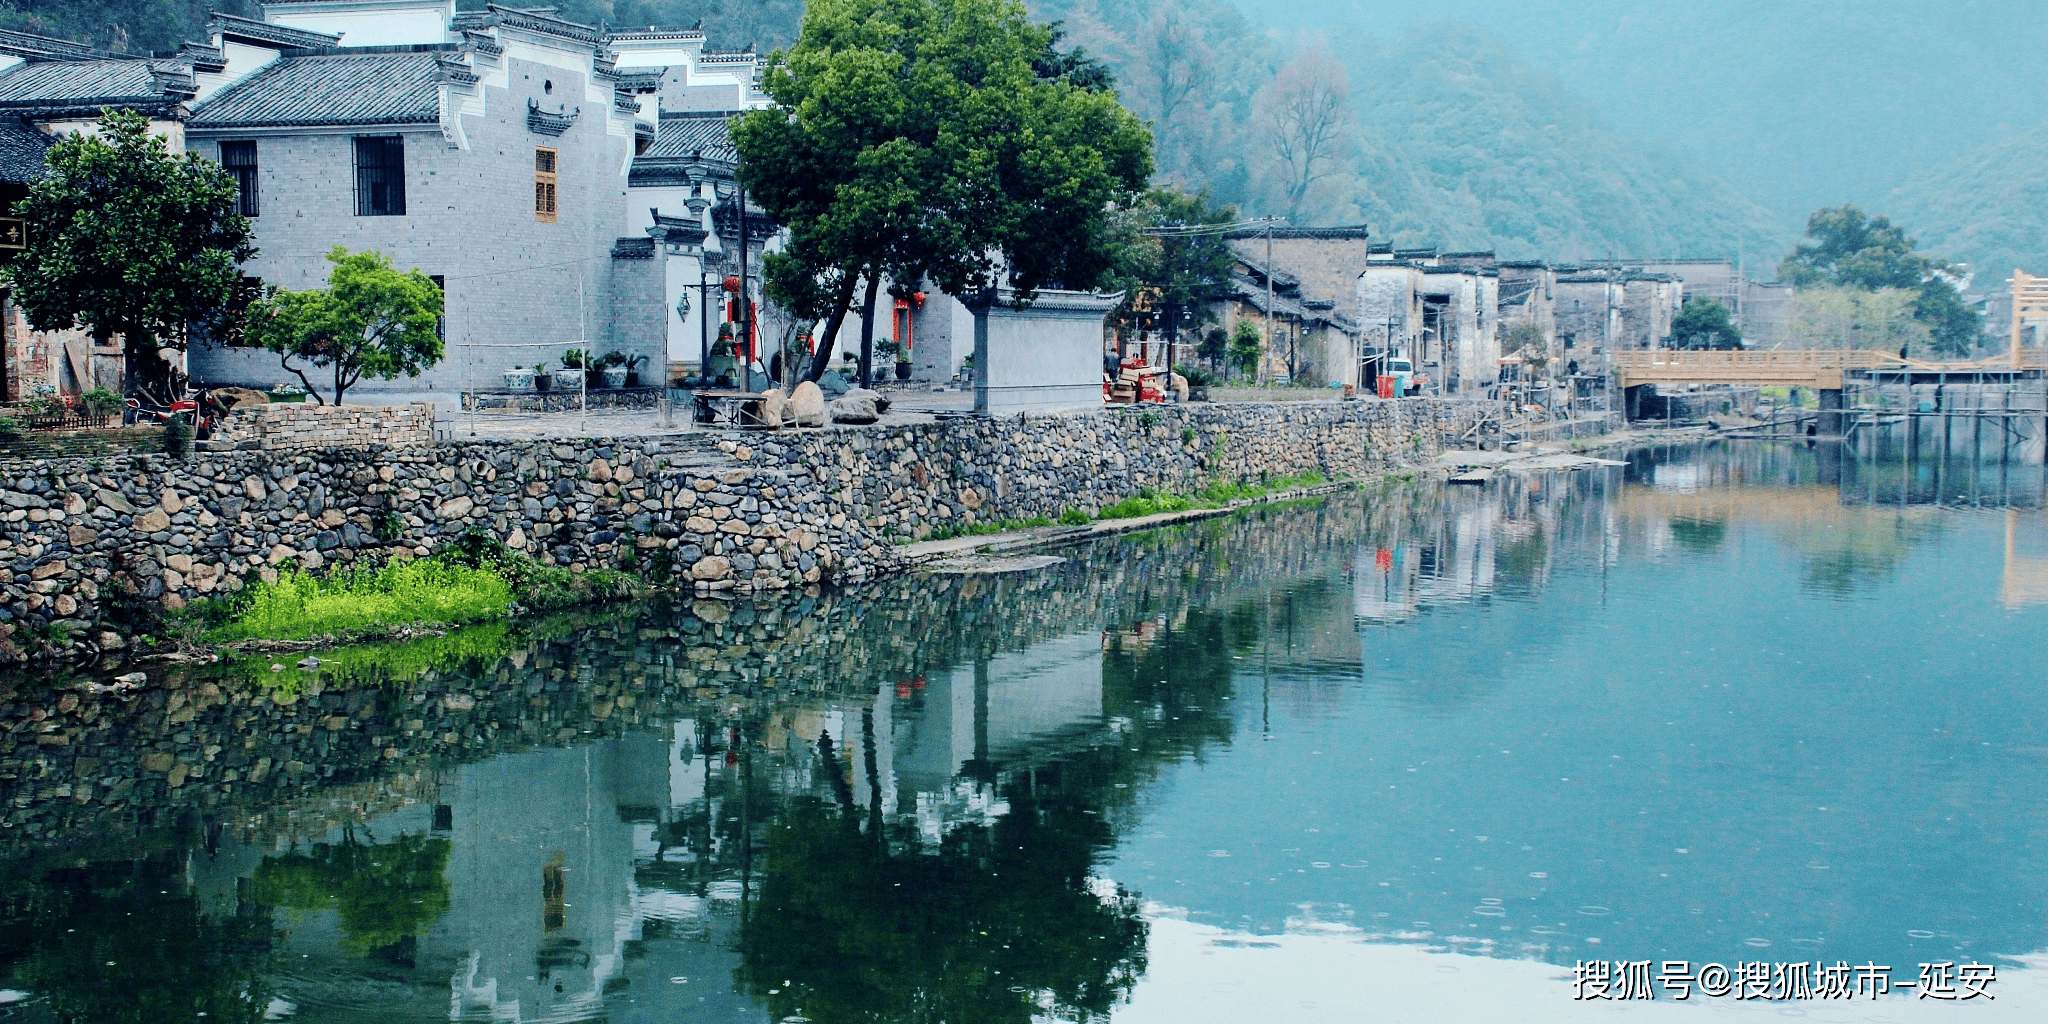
column 918, row 298
column 732, row 284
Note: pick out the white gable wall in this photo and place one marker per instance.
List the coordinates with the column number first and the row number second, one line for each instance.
column 369, row 22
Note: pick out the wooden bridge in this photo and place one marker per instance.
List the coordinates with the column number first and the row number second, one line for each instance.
column 1820, row 369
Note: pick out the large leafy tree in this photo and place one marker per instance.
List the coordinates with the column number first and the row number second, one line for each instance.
column 1850, row 249
column 370, row 320
column 1704, row 323
column 940, row 140
column 127, row 238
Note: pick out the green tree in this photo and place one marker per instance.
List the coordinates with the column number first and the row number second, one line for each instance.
column 1246, row 346
column 1849, row 249
column 369, row 320
column 934, row 140
column 1171, row 256
column 1704, row 323
column 129, row 239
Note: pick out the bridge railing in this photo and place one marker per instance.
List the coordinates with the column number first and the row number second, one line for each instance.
column 1775, row 363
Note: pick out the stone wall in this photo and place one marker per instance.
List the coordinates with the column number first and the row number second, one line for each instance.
column 79, row 537
column 294, row 426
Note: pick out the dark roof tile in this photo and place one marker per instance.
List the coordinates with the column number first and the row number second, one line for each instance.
column 689, row 134
column 77, row 82
column 330, row 89
column 22, row 150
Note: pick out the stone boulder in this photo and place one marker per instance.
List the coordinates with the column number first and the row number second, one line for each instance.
column 807, row 405
column 881, row 401
column 854, row 409
column 773, row 404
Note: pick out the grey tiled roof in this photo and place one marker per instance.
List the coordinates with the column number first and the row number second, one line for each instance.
column 21, row 152
column 330, row 89
column 1354, row 232
column 74, row 82
column 259, row 32
column 690, row 134
column 28, row 44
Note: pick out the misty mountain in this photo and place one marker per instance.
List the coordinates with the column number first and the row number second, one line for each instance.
column 1988, row 209
column 1798, row 104
column 1465, row 144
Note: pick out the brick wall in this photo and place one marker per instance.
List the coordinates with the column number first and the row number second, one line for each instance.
column 282, row 426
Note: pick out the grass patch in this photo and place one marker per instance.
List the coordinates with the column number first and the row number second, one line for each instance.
column 984, row 529
column 299, row 605
column 475, row 578
column 1215, row 495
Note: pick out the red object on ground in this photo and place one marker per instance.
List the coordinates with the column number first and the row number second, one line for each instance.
column 1386, row 386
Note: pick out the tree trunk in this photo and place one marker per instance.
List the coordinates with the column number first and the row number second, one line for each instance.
column 285, row 361
column 145, row 374
column 822, row 359
column 867, row 331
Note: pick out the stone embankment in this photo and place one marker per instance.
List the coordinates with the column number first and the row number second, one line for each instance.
column 89, row 769
column 83, row 541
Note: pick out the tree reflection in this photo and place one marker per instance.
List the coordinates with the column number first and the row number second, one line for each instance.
column 1000, row 923
column 385, row 894
column 123, row 941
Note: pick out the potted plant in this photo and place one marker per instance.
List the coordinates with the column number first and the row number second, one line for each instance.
column 614, row 369
column 633, row 370
column 518, row 378
column 580, row 361
column 542, row 380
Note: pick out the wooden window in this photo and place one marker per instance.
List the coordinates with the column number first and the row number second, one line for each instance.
column 380, row 177
column 239, row 158
column 544, row 185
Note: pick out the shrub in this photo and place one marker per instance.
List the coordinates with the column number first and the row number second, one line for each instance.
column 178, row 438
column 1074, row 517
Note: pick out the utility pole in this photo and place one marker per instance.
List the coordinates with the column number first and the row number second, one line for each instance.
column 1260, row 370
column 746, row 334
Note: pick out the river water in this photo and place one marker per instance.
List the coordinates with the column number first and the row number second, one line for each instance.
column 1416, row 753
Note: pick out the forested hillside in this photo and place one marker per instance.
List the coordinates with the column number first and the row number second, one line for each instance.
column 1444, row 135
column 1988, row 209
column 1439, row 134
column 1797, row 104
column 126, row 26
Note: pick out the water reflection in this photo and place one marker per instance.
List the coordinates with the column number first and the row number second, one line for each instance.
column 1636, row 712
